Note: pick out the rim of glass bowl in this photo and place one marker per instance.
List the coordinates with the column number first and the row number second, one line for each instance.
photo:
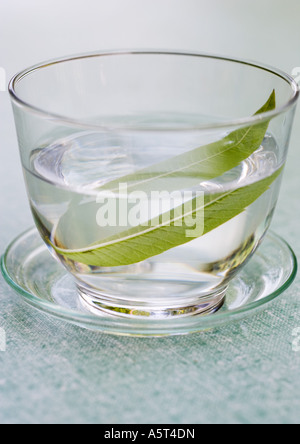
column 250, row 120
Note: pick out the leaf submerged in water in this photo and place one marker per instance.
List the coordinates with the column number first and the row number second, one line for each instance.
column 170, row 230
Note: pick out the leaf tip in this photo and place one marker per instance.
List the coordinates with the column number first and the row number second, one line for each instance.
column 270, row 105
column 272, row 100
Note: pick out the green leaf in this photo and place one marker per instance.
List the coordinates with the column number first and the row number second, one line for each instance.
column 172, row 229
column 140, row 243
column 203, row 163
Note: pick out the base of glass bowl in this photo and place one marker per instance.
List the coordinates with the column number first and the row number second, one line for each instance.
column 101, row 303
column 42, row 282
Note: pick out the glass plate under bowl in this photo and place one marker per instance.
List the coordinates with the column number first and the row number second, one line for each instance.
column 29, row 268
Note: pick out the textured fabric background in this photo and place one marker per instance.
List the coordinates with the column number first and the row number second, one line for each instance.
column 52, row 372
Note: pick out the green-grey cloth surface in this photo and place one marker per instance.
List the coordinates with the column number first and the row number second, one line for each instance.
column 53, row 372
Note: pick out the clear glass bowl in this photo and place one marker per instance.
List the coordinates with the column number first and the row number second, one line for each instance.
column 153, row 176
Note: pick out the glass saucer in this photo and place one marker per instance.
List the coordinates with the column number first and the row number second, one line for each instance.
column 42, row 282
